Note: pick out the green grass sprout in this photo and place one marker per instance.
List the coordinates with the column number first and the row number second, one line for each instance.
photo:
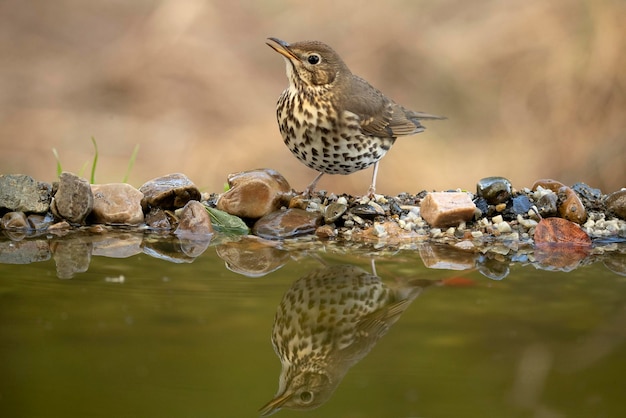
column 131, row 163
column 95, row 161
column 56, row 157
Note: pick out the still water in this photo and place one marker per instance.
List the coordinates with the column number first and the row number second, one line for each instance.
column 148, row 335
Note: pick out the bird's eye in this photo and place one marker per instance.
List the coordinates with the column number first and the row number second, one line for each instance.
column 306, row 397
column 313, row 59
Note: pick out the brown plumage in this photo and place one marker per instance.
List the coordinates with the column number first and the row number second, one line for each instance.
column 333, row 121
column 326, row 322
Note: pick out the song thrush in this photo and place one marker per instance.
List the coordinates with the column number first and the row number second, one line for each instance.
column 326, row 322
column 332, row 120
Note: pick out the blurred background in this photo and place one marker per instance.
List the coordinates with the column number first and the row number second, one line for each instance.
column 531, row 89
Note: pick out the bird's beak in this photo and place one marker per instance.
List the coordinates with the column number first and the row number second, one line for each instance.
column 282, row 48
column 275, row 404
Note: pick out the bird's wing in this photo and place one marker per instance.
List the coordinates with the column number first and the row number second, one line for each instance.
column 380, row 116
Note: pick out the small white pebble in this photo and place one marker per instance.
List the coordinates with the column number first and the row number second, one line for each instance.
column 503, row 227
column 380, row 198
column 436, row 232
column 450, row 231
column 342, row 200
column 476, row 234
column 497, row 219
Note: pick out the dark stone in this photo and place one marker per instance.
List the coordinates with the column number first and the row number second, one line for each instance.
column 482, row 205
column 366, row 211
column 73, row 200
column 494, row 190
column 521, row 205
column 616, row 203
column 158, row 219
column 168, row 192
column 21, row 193
column 591, row 197
column 547, row 204
column 288, row 223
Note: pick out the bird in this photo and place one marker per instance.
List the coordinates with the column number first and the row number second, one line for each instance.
column 332, row 120
column 326, row 322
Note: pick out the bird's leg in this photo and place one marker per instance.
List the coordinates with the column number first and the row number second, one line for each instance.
column 311, row 187
column 372, row 189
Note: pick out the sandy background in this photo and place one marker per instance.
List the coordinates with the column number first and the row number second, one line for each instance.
column 532, row 89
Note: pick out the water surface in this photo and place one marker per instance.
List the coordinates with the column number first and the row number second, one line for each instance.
column 144, row 336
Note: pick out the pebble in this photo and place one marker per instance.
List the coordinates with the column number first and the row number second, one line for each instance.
column 22, row 193
column 172, row 191
column 116, row 203
column 494, row 190
column 442, row 209
column 288, row 223
column 194, row 221
column 547, row 204
column 334, row 211
column 255, row 193
column 73, row 200
column 521, row 205
column 547, row 184
column 572, row 207
column 616, row 203
column 40, row 222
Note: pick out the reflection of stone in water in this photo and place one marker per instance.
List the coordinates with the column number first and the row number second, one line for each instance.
column 71, row 257
column 327, row 322
column 252, row 256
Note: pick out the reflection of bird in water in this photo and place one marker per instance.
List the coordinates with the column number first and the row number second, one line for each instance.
column 327, row 322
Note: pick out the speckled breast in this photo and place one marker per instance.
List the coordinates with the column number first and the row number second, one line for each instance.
column 324, row 140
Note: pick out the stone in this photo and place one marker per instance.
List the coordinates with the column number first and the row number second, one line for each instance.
column 254, row 194
column 494, row 190
column 194, row 221
column 572, row 207
column 73, row 200
column 443, row 209
column 168, row 192
column 334, row 211
column 14, row 220
column 520, row 205
column 116, row 203
column 157, row 218
column 591, row 197
column 547, row 204
column 22, row 193
column 548, row 184
column 616, row 203
column 288, row 223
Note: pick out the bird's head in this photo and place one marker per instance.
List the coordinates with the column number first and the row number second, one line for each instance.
column 310, row 64
column 305, row 391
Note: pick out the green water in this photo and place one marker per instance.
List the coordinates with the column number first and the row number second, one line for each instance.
column 146, row 337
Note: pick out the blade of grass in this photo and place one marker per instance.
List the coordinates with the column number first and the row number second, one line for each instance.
column 131, row 163
column 95, row 161
column 56, row 157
